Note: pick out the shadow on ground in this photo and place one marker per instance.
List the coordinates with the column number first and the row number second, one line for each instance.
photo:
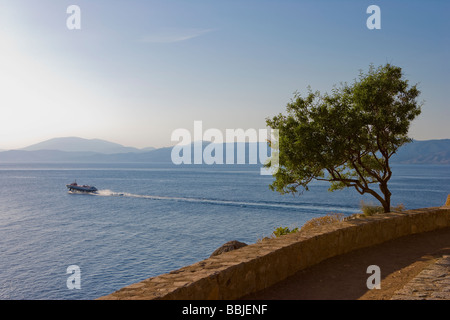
column 344, row 277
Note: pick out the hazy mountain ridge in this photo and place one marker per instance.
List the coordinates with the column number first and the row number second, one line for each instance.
column 96, row 150
column 138, row 155
column 75, row 144
column 424, row 152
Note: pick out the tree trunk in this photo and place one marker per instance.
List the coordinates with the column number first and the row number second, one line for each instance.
column 386, row 206
column 387, row 197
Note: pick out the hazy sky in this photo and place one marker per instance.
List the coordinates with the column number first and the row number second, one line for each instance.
column 137, row 70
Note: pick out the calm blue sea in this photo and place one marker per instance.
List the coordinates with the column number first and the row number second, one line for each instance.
column 149, row 219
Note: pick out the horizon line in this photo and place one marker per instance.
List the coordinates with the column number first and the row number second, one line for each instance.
column 155, row 148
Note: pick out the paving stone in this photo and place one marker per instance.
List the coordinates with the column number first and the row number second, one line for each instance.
column 432, row 283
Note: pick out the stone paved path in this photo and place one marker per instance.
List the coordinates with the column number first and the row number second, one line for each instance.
column 432, row 283
column 412, row 267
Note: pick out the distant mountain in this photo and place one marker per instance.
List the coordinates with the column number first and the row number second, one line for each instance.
column 100, row 151
column 75, row 144
column 424, row 152
column 139, row 155
column 165, row 155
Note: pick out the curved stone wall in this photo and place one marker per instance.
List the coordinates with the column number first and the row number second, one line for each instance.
column 249, row 269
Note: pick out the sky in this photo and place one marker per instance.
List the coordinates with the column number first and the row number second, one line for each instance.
column 138, row 70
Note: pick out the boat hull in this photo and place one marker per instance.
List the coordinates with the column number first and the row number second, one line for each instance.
column 86, row 189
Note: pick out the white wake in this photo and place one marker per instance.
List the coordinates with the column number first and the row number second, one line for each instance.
column 110, row 193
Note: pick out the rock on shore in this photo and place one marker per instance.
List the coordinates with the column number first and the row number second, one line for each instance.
column 229, row 246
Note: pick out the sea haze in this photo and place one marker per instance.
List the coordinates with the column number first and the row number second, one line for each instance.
column 149, row 219
column 74, row 149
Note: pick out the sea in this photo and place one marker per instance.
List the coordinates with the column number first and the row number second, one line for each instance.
column 150, row 219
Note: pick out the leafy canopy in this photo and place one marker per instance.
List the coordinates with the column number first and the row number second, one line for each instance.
column 346, row 137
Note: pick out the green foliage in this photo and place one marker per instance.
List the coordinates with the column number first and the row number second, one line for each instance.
column 281, row 231
column 346, row 137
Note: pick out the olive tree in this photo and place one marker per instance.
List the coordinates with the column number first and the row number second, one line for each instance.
column 346, row 137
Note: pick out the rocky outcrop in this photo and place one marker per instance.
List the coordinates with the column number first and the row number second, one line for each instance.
column 229, row 246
